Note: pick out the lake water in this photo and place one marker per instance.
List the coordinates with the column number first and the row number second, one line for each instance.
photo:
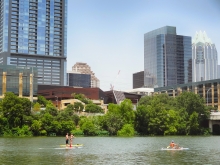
column 110, row 151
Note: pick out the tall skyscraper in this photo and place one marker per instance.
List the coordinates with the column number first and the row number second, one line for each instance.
column 205, row 58
column 167, row 58
column 33, row 33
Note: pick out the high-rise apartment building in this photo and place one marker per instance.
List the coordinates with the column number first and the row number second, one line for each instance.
column 167, row 58
column 33, row 33
column 205, row 58
column 84, row 68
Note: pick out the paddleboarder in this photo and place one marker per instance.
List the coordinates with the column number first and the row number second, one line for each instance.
column 67, row 139
column 71, row 139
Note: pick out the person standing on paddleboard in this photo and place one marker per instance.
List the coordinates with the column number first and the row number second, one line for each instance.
column 67, row 139
column 71, row 139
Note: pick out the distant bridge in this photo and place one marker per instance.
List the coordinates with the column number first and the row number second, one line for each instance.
column 214, row 123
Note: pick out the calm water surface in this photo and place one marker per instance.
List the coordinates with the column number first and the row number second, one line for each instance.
column 109, row 150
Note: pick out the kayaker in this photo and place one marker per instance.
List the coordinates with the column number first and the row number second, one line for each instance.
column 172, row 144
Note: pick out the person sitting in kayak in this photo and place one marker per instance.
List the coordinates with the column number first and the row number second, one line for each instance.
column 172, row 144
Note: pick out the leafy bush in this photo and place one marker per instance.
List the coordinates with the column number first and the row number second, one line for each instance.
column 102, row 133
column 77, row 132
column 127, row 130
column 43, row 133
column 24, row 131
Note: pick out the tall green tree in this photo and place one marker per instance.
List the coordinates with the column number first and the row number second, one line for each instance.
column 126, row 111
column 141, row 120
column 14, row 108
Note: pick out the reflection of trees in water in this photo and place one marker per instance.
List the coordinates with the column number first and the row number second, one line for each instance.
column 216, row 129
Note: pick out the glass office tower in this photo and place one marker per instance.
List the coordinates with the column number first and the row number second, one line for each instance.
column 167, row 58
column 34, row 33
column 205, row 58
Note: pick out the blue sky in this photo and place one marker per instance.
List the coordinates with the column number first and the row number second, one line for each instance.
column 108, row 35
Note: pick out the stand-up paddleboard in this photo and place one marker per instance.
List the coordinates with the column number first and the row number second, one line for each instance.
column 72, row 146
column 174, row 149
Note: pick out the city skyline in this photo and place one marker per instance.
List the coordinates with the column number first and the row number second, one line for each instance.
column 109, row 35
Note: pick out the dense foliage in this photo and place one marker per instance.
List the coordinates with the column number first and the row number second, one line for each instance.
column 155, row 115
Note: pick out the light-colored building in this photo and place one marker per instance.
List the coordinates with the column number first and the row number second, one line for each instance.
column 84, row 68
column 141, row 91
column 204, row 58
column 64, row 103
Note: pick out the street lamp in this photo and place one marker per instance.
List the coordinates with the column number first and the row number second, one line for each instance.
column 207, row 95
column 57, row 100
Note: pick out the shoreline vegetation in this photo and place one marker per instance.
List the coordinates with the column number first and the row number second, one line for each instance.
column 155, row 115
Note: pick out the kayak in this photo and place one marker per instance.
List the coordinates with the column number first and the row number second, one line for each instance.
column 172, row 149
column 74, row 145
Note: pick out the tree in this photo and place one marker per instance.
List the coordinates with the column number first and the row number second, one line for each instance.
column 141, row 120
column 51, row 109
column 193, row 108
column 42, row 100
column 36, row 127
column 127, row 130
column 81, row 97
column 93, row 108
column 112, row 122
column 126, row 111
column 78, row 107
column 37, row 107
column 193, row 124
column 14, row 108
column 87, row 126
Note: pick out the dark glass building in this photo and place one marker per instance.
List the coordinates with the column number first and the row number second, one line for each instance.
column 167, row 58
column 79, row 80
column 138, row 79
column 34, row 34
